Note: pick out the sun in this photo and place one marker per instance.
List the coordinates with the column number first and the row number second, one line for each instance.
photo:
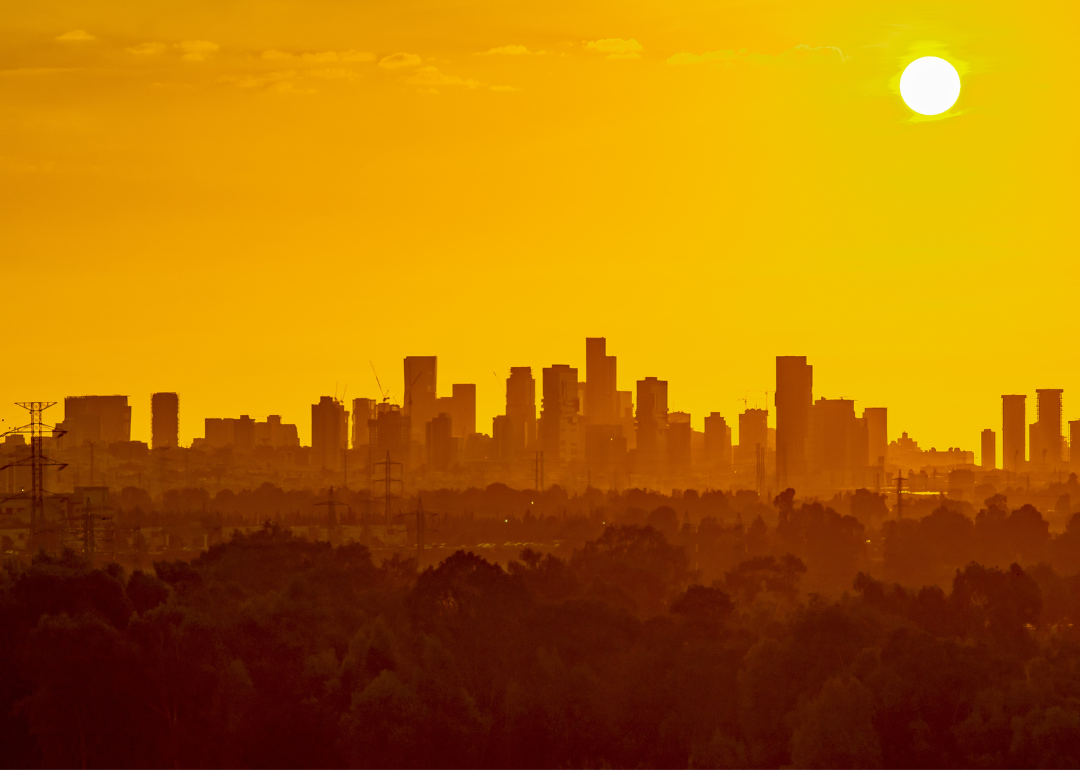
column 930, row 85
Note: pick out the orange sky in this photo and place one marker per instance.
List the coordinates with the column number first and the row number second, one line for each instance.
column 248, row 202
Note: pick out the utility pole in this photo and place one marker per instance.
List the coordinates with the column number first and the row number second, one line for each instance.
column 899, row 492
column 331, row 515
column 388, row 482
column 37, row 461
column 421, row 527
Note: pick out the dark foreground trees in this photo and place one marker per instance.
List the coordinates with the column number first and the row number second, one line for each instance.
column 271, row 651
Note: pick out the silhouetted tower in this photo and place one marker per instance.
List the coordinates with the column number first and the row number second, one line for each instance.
column 463, row 409
column 37, row 462
column 989, row 450
column 1046, row 438
column 559, row 415
column 420, row 381
column 521, row 408
column 877, row 424
column 793, row 399
column 601, row 402
column 363, row 410
column 164, row 421
column 329, row 433
column 717, row 442
column 101, row 419
column 652, row 424
column 1013, row 428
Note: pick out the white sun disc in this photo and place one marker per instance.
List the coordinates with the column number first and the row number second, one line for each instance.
column 930, row 85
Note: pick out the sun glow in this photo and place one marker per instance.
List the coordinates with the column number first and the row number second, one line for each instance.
column 930, row 85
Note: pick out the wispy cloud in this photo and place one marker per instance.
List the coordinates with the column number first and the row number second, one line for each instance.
column 511, row 50
column 197, row 50
column 616, row 48
column 75, row 36
column 431, row 77
column 396, row 61
column 320, row 57
column 145, row 49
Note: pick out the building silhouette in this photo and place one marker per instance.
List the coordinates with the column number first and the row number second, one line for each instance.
column 793, row 400
column 520, row 411
column 753, row 438
column 1013, row 428
column 389, row 433
column 1046, row 439
column 275, row 433
column 463, row 409
column 164, row 421
column 363, row 411
column 420, row 398
column 96, row 419
column 329, row 433
column 717, row 442
column 1074, row 446
column 679, row 435
column 838, row 449
column 601, row 394
column 651, row 429
column 989, row 450
column 440, row 442
column 877, row 429
column 559, row 434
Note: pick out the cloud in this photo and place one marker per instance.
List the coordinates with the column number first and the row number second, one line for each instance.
column 264, row 80
column 397, row 61
column 430, row 76
column 197, row 50
column 321, row 57
column 801, row 51
column 616, row 48
column 332, row 73
column 511, row 50
column 504, row 88
column 75, row 36
column 147, row 48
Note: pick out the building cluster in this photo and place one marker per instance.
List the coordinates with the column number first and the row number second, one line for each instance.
column 572, row 430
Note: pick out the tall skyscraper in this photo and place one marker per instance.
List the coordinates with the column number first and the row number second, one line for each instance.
column 834, row 438
column 678, row 444
column 652, row 423
column 388, row 433
column 1074, row 446
column 717, row 442
column 463, row 409
column 794, row 398
column 440, row 442
column 419, row 397
column 329, row 433
column 754, row 430
column 98, row 419
column 1013, row 428
column 363, row 410
column 877, row 426
column 164, row 420
column 601, row 400
column 1046, row 438
column 520, row 409
column 559, row 434
column 989, row 450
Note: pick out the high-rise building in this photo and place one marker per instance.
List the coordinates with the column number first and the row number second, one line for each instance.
column 652, row 424
column 559, row 437
column 520, row 409
column 1013, row 428
column 1046, row 438
column 601, row 400
column 463, row 409
column 678, row 444
column 753, row 431
column 1074, row 445
column 877, row 427
column 834, row 432
column 275, row 433
column 793, row 399
column 439, row 439
column 388, row 434
column 989, row 450
column 717, row 442
column 97, row 419
column 237, row 432
column 420, row 399
column 363, row 410
column 624, row 414
column 164, row 421
column 329, row 433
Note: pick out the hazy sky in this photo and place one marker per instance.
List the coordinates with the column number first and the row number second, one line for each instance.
column 246, row 202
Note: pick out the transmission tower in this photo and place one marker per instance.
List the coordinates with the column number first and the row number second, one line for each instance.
column 421, row 527
column 37, row 462
column 388, row 482
column 93, row 531
column 331, row 515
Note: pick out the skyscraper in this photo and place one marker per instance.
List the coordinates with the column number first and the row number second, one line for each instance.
column 1013, row 428
column 877, row 425
column 794, row 397
column 363, row 410
column 989, row 450
column 601, row 401
column 164, row 420
column 329, row 433
column 559, row 415
column 717, row 442
column 1046, row 438
column 463, row 409
column 834, row 438
column 652, row 423
column 100, row 419
column 678, row 444
column 419, row 398
column 520, row 409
